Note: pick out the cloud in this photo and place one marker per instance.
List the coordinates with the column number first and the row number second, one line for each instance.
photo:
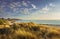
column 19, row 4
column 25, row 11
column 51, row 4
column 15, row 4
column 28, row 2
column 34, row 6
column 45, row 9
column 23, row 7
column 12, row 6
column 3, row 4
column 43, row 13
column 24, row 3
column 2, row 13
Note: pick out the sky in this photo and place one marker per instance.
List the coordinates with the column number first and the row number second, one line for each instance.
column 30, row 9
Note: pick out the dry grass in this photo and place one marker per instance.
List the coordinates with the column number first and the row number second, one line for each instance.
column 29, row 31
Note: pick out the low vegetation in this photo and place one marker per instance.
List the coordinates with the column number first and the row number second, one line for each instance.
column 3, row 21
column 28, row 31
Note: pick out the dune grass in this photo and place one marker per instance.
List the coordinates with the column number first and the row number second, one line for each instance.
column 29, row 31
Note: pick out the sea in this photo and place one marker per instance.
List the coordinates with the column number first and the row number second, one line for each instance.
column 53, row 22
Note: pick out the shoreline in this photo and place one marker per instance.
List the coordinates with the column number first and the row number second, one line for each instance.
column 40, row 23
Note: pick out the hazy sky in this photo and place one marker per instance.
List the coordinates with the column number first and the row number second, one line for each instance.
column 30, row 9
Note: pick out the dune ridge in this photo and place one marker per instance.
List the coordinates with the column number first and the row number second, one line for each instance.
column 28, row 31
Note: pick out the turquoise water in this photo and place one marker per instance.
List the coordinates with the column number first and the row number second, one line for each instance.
column 55, row 22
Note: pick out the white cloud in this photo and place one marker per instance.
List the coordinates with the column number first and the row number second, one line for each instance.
column 24, row 3
column 15, row 5
column 34, row 6
column 19, row 4
column 45, row 9
column 25, row 11
column 51, row 4
column 15, row 9
column 36, row 14
column 12, row 5
column 45, row 13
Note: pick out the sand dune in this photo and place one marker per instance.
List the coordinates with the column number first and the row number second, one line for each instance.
column 29, row 31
